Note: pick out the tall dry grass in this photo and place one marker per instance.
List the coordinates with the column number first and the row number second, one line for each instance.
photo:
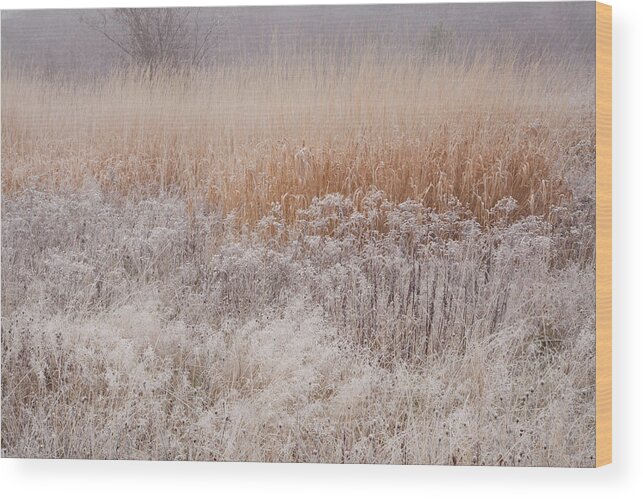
column 240, row 138
column 413, row 281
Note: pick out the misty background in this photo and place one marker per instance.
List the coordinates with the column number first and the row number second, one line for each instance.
column 61, row 41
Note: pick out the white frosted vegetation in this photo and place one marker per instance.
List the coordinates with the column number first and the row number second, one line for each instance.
column 384, row 333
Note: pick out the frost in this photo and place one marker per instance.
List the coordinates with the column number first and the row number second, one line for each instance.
column 350, row 328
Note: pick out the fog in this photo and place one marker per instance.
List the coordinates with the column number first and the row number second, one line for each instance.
column 58, row 40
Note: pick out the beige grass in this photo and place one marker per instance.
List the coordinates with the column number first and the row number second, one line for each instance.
column 244, row 137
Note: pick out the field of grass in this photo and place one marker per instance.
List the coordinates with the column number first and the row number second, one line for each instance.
column 376, row 260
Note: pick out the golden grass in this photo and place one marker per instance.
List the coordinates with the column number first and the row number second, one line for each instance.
column 246, row 136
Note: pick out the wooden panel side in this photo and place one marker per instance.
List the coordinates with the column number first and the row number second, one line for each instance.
column 603, row 234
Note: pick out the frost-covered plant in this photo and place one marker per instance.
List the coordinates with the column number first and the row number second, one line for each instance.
column 133, row 318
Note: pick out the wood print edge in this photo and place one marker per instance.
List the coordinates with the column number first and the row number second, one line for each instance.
column 603, row 234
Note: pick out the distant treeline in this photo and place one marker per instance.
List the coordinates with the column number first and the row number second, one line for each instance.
column 63, row 41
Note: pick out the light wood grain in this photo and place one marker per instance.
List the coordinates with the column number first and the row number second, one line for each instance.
column 603, row 234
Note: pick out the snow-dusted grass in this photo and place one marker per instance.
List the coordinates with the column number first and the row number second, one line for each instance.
column 133, row 330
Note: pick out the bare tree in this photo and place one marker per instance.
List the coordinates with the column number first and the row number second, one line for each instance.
column 153, row 37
